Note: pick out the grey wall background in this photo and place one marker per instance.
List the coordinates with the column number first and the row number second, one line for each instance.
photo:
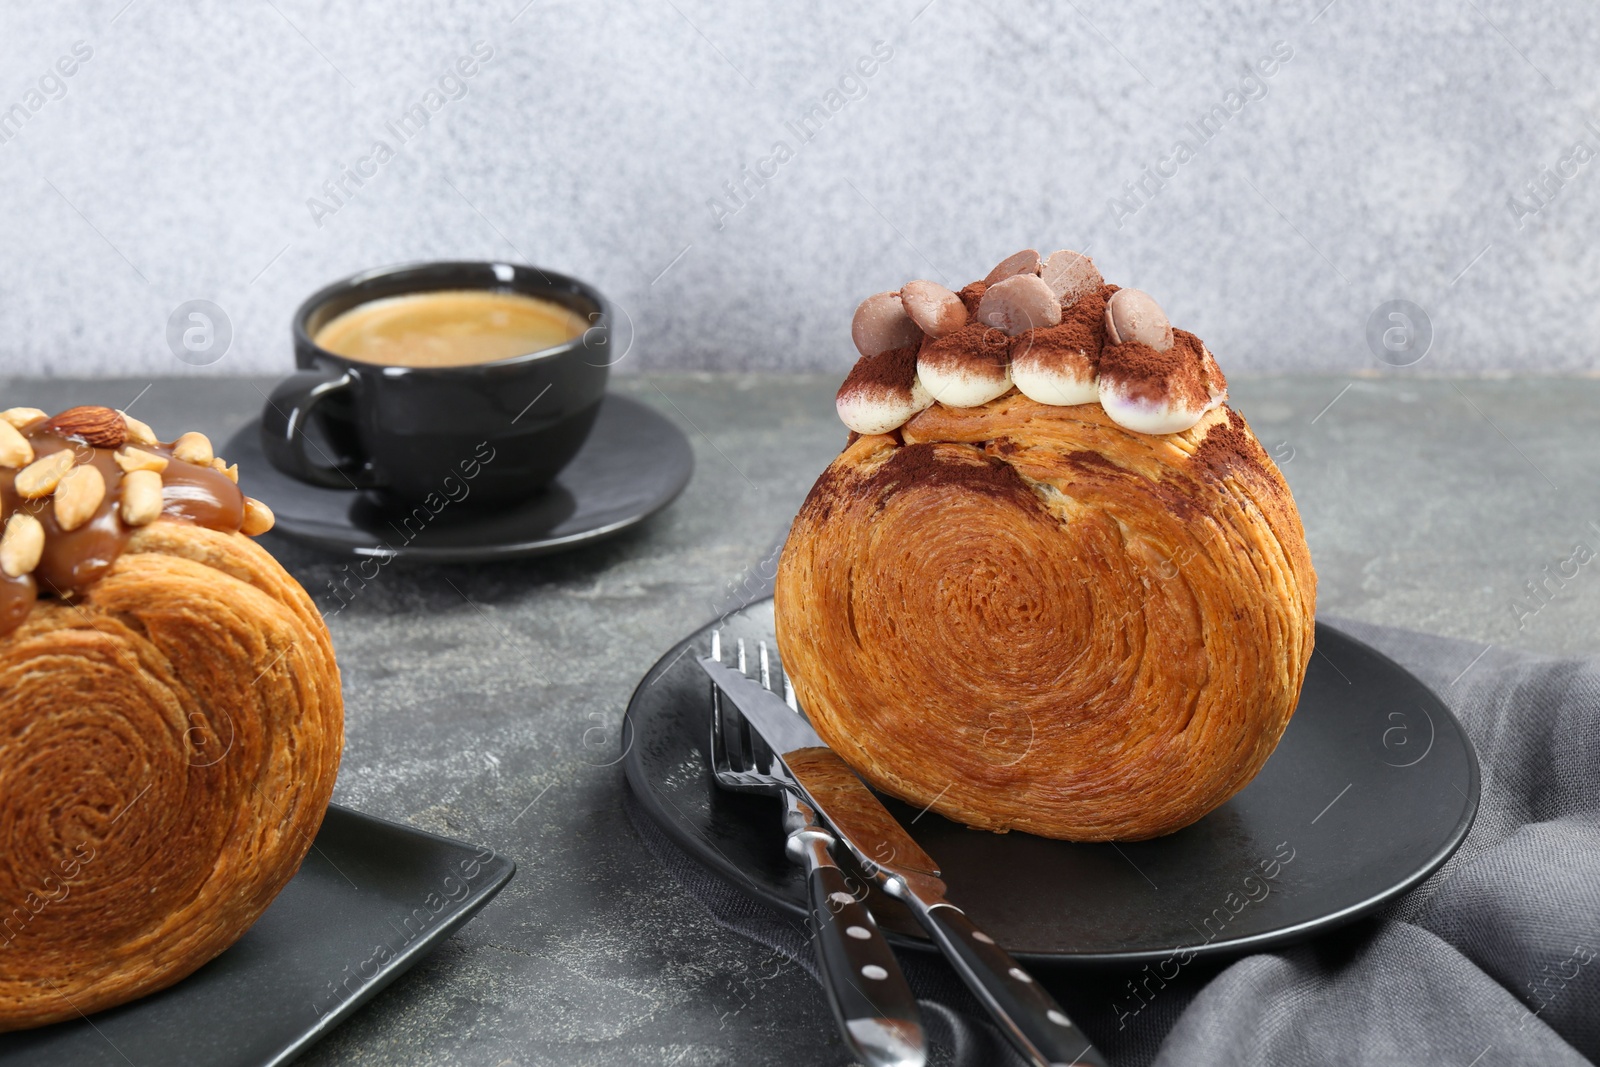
column 1378, row 162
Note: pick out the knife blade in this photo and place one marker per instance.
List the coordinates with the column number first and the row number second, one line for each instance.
column 1027, row 1014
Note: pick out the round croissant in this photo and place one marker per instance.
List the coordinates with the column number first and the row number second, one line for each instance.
column 169, row 738
column 1029, row 617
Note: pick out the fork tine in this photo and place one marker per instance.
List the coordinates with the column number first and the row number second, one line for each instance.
column 788, row 688
column 744, row 747
column 766, row 669
column 718, row 749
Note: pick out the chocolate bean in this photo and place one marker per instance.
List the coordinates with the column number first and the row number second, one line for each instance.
column 881, row 323
column 935, row 309
column 1134, row 315
column 1023, row 262
column 1071, row 276
column 1020, row 302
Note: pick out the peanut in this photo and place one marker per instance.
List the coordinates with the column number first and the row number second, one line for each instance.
column 141, row 497
column 22, row 417
column 40, row 477
column 15, row 451
column 193, row 447
column 258, row 518
column 137, row 459
column 79, row 495
column 138, row 432
column 22, row 545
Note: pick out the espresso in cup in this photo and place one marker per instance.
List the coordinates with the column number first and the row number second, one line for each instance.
column 449, row 328
column 413, row 378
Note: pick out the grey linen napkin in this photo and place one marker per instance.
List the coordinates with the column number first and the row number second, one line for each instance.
column 1492, row 961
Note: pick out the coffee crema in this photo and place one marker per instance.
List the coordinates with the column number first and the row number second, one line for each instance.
column 449, row 328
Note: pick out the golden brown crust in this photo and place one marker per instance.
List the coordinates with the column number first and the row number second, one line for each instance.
column 168, row 745
column 1028, row 617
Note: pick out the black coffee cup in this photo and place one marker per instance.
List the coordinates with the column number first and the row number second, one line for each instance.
column 502, row 429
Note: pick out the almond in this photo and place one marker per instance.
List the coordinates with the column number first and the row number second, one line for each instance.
column 258, row 518
column 22, row 545
column 141, row 497
column 137, row 459
column 193, row 447
column 100, row 427
column 139, row 433
column 40, row 477
column 15, row 451
column 22, row 418
column 79, row 495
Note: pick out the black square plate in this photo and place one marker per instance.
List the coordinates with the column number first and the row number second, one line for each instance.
column 372, row 898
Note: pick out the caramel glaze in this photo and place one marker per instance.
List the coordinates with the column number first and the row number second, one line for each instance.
column 73, row 560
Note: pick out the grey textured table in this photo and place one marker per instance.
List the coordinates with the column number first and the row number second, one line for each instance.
column 484, row 702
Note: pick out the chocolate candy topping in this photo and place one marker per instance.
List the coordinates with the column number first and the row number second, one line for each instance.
column 73, row 489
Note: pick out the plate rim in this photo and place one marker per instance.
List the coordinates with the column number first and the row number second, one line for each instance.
column 728, row 872
column 494, row 551
column 500, row 869
column 405, row 960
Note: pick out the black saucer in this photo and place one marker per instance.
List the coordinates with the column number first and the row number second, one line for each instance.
column 633, row 465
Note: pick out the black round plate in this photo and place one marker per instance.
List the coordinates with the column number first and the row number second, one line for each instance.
column 633, row 465
column 1373, row 786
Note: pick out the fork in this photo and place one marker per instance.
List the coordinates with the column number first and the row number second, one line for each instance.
column 878, row 1020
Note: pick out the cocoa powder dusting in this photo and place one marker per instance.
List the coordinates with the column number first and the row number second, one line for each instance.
column 818, row 504
column 975, row 348
column 1230, row 448
column 926, row 466
column 970, row 297
column 1176, row 375
column 1078, row 339
column 885, row 374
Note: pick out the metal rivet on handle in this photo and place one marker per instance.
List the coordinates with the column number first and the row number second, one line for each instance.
column 1020, row 975
column 860, row 933
column 979, row 935
column 1057, row 1018
column 873, row 971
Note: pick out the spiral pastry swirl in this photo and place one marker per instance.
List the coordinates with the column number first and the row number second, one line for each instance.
column 1029, row 617
column 168, row 745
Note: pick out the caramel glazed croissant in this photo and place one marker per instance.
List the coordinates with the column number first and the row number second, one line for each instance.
column 1053, row 583
column 170, row 715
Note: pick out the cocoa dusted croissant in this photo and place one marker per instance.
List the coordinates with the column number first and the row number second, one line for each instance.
column 170, row 713
column 1031, row 616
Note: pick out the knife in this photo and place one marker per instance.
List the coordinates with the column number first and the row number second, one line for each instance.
column 1027, row 1014
column 874, row 1007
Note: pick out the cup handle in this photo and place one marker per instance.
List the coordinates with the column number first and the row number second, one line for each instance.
column 283, row 431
